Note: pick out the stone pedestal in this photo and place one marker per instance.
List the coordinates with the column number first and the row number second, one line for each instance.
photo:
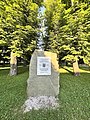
column 41, row 83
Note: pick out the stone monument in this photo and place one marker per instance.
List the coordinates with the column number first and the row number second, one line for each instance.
column 43, row 81
column 43, row 74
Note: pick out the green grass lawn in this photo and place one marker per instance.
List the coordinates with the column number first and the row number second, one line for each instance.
column 74, row 97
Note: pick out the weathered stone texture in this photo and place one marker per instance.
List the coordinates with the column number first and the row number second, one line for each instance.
column 43, row 85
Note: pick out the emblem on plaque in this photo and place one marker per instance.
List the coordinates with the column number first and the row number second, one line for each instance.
column 43, row 66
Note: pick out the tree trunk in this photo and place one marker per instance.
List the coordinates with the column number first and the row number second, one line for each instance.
column 76, row 68
column 72, row 2
column 13, row 69
column 3, row 62
column 13, row 64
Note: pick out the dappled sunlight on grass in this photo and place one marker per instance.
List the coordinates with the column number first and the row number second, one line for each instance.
column 62, row 70
column 67, row 69
column 6, row 68
column 84, row 71
column 74, row 97
column 3, row 68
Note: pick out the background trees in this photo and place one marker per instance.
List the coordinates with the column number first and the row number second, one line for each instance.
column 18, row 26
column 68, row 29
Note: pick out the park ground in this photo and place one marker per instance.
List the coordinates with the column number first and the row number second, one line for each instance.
column 74, row 96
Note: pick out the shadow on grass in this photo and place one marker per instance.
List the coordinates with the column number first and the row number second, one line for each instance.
column 85, row 68
column 22, row 69
column 4, row 72
column 68, row 70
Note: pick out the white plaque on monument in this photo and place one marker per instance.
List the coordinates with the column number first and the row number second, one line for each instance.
column 43, row 66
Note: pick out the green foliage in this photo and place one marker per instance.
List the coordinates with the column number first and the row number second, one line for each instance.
column 18, row 25
column 67, row 23
column 2, row 42
column 68, row 29
column 38, row 2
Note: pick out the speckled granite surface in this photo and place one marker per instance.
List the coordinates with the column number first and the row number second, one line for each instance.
column 43, row 85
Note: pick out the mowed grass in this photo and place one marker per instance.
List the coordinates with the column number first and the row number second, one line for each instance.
column 74, row 97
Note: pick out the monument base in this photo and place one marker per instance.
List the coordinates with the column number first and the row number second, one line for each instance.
column 41, row 102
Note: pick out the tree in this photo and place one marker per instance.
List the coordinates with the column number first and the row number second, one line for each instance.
column 68, row 29
column 19, row 23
